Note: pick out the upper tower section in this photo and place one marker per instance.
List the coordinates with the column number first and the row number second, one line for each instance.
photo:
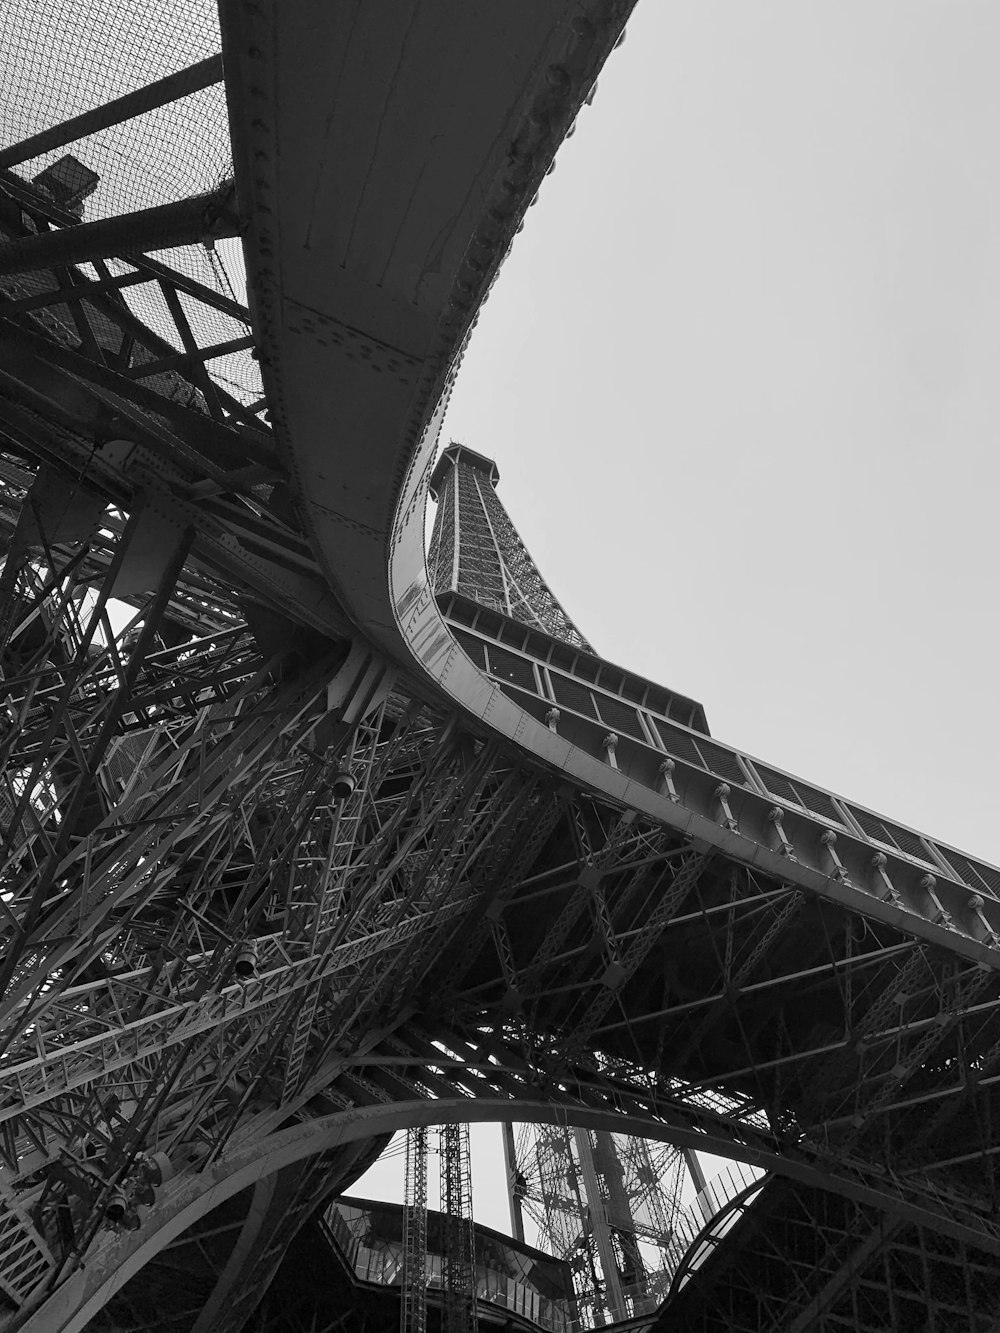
column 476, row 550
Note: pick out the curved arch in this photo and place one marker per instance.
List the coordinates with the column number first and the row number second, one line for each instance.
column 253, row 1225
column 438, row 232
column 188, row 1198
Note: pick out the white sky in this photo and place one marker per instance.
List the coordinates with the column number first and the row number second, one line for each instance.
column 739, row 375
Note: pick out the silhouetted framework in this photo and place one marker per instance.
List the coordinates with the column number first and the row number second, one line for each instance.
column 459, row 1284
column 610, row 1205
column 457, row 1278
column 295, row 854
column 589, row 1195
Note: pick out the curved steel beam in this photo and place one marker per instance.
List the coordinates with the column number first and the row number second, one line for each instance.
column 380, row 206
column 183, row 222
column 242, row 1253
column 188, row 1197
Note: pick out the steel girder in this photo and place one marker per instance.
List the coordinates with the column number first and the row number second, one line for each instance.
column 619, row 891
column 197, row 904
column 179, row 1052
column 186, row 1200
column 204, row 940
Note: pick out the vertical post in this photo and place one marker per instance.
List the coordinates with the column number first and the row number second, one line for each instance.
column 456, row 553
column 514, row 1178
column 614, row 1296
column 694, row 1166
column 459, row 1257
column 612, row 1169
column 413, row 1296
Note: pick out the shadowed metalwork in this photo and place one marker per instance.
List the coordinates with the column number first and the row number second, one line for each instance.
column 296, row 854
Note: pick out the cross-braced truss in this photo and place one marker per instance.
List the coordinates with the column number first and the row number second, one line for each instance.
column 252, row 876
column 608, row 1204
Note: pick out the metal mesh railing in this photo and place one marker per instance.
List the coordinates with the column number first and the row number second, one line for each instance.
column 61, row 59
column 707, row 1214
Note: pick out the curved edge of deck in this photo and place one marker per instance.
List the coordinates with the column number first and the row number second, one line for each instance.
column 368, row 259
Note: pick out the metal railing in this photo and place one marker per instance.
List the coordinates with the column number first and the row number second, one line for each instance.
column 710, row 1216
column 816, row 839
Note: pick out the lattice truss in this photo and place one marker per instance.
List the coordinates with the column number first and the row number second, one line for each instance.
column 211, row 876
column 476, row 550
column 628, row 1224
column 178, row 1283
column 413, row 1279
column 239, row 855
column 224, row 837
column 771, row 1018
column 458, row 1265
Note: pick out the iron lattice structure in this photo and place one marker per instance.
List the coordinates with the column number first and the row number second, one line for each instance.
column 476, row 551
column 283, row 871
column 459, row 1285
column 171, row 143
column 591, row 1197
column 413, row 1296
column 606, row 1203
column 458, row 1266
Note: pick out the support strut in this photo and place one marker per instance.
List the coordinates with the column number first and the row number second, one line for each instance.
column 202, row 217
column 153, row 95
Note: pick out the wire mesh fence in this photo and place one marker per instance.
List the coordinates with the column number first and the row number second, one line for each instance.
column 63, row 58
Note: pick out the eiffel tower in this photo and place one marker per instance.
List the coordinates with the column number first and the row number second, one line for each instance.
column 296, row 853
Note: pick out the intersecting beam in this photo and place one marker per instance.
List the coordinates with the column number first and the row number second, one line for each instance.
column 185, row 420
column 143, row 369
column 190, row 1196
column 183, row 282
column 146, row 271
column 54, row 1072
column 853, row 1265
column 160, row 93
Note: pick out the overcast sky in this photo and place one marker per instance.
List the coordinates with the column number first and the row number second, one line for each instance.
column 739, row 374
column 740, row 377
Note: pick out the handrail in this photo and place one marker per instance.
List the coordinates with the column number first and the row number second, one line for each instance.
column 713, row 1202
column 733, row 1190
column 710, row 1202
column 653, row 721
